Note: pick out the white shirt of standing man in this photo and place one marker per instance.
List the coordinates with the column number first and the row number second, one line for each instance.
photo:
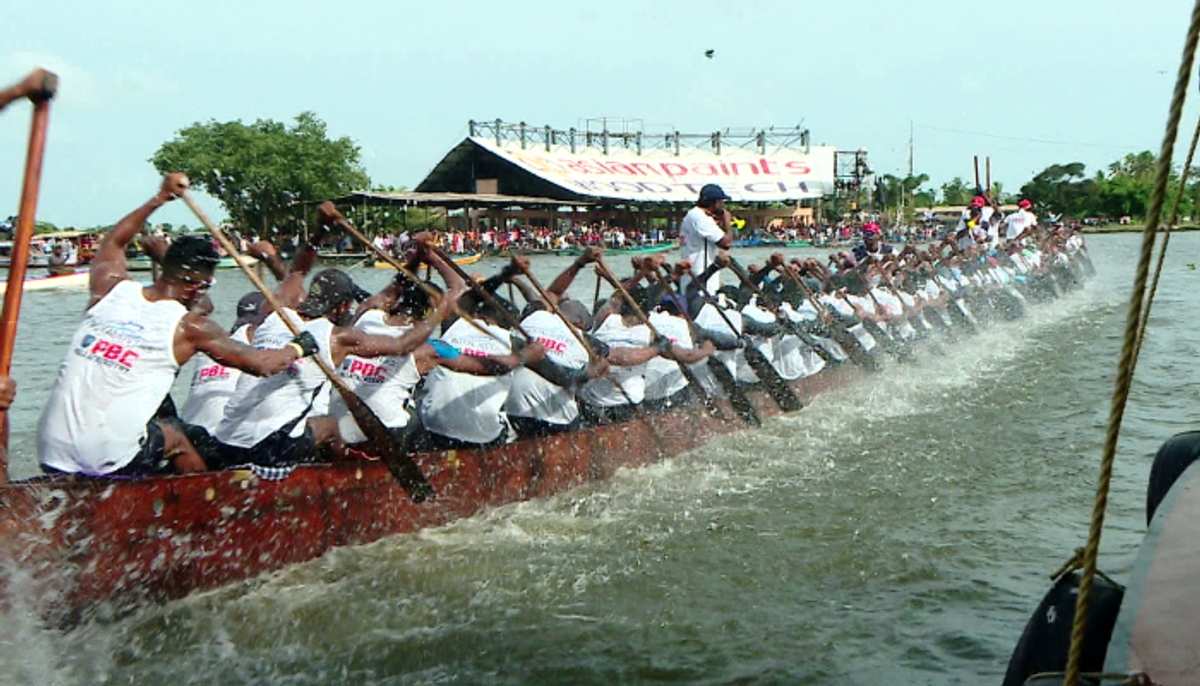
column 701, row 236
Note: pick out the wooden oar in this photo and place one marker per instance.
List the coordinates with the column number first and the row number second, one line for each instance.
column 399, row 462
column 697, row 387
column 780, row 392
column 844, row 338
column 20, row 249
column 349, row 228
column 737, row 396
column 483, row 293
column 550, row 302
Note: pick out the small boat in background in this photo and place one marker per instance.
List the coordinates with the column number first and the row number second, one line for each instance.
column 44, row 282
column 461, row 260
column 142, row 263
column 636, row 250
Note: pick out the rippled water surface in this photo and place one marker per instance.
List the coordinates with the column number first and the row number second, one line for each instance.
column 897, row 531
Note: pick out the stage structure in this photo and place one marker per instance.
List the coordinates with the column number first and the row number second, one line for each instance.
column 628, row 165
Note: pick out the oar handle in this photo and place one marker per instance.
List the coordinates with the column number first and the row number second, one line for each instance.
column 704, row 291
column 24, row 234
column 603, row 270
column 483, row 293
column 554, row 308
column 230, row 249
column 349, row 228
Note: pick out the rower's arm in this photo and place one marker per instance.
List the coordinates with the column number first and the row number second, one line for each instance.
column 527, row 291
column 108, row 265
column 155, row 247
column 560, row 375
column 564, row 280
column 692, row 355
column 291, row 292
column 351, row 341
column 726, row 225
column 632, row 357
column 201, row 334
column 265, row 252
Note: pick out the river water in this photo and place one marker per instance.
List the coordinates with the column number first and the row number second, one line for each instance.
column 899, row 531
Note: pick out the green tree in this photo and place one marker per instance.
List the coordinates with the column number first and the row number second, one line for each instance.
column 257, row 171
column 957, row 192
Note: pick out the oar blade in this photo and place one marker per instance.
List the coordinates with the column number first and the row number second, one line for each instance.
column 778, row 389
column 737, row 397
column 392, row 452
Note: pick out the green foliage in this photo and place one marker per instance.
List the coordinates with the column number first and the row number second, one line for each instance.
column 957, row 192
column 258, row 170
column 1123, row 190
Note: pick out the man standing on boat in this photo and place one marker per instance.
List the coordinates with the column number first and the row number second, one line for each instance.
column 872, row 249
column 100, row 419
column 706, row 228
column 1021, row 223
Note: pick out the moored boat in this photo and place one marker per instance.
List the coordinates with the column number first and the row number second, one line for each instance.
column 143, row 263
column 637, row 250
column 461, row 260
column 42, row 282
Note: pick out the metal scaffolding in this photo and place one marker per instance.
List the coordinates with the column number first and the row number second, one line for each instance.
column 606, row 133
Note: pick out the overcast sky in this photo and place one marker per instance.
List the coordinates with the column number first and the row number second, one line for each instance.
column 1028, row 82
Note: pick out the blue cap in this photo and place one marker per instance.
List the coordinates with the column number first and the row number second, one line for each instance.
column 711, row 192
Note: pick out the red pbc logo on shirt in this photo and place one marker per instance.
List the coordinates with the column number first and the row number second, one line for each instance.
column 367, row 370
column 214, row 372
column 552, row 345
column 105, row 349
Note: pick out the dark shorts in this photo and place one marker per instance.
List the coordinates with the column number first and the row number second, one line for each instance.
column 595, row 415
column 276, row 450
column 150, row 460
column 684, row 397
column 528, row 427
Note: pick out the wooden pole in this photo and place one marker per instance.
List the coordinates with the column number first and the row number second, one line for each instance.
column 20, row 251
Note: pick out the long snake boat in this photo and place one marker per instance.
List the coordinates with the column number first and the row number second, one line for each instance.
column 73, row 549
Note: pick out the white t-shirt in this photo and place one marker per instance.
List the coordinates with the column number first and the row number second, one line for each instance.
column 385, row 383
column 663, row 377
column 213, row 386
column 464, row 406
column 602, row 392
column 1017, row 223
column 120, row 366
column 709, row 319
column 698, row 236
column 263, row 405
column 531, row 395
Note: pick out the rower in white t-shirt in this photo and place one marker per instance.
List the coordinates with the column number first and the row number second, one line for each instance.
column 100, row 419
column 1020, row 223
column 214, row 384
column 461, row 409
column 535, row 405
column 666, row 386
column 630, row 346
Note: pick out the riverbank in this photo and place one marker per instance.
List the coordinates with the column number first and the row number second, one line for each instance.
column 1131, row 228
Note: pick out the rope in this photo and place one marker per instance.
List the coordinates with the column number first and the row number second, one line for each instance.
column 1129, row 347
column 1162, row 253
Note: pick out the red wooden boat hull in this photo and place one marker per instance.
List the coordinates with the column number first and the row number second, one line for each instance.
column 78, row 549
